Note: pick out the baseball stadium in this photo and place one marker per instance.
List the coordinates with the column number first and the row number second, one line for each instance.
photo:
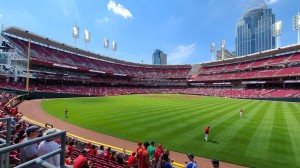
column 104, row 108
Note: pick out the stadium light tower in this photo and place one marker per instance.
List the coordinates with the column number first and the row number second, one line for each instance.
column 87, row 37
column 296, row 25
column 223, row 46
column 75, row 33
column 212, row 51
column 106, row 43
column 114, row 46
column 277, row 31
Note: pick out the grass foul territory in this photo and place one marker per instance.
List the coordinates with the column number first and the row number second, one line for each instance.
column 268, row 134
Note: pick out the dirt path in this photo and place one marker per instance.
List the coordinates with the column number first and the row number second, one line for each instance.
column 33, row 110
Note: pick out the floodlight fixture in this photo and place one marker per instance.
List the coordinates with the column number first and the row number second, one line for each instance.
column 106, row 43
column 212, row 51
column 87, row 37
column 75, row 33
column 277, row 31
column 114, row 46
column 296, row 25
column 223, row 47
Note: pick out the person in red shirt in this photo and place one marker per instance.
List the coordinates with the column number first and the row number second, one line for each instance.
column 81, row 161
column 107, row 154
column 139, row 147
column 143, row 156
column 132, row 160
column 206, row 132
column 70, row 148
column 158, row 152
column 93, row 150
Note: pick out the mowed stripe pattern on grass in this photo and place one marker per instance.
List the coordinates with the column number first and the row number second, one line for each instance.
column 267, row 136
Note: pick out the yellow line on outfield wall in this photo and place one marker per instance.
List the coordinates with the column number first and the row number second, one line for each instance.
column 94, row 142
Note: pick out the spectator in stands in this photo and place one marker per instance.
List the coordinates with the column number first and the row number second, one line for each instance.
column 151, row 150
column 132, row 160
column 158, row 152
column 206, row 132
column 120, row 158
column 139, row 147
column 93, row 150
column 113, row 156
column 20, row 136
column 88, row 147
column 70, row 148
column 81, row 161
column 48, row 146
column 107, row 154
column 143, row 156
column 165, row 159
column 30, row 152
column 192, row 164
column 100, row 151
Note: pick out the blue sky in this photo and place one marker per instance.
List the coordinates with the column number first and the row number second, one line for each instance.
column 183, row 29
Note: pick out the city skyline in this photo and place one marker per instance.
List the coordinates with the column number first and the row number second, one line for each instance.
column 184, row 31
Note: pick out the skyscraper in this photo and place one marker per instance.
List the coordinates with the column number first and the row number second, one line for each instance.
column 254, row 29
column 159, row 58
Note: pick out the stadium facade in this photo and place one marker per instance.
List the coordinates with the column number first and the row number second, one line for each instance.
column 254, row 29
column 61, row 68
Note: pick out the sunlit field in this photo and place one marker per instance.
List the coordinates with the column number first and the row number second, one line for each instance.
column 267, row 136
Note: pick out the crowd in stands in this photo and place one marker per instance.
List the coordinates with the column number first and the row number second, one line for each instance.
column 270, row 67
column 78, row 154
column 126, row 90
column 42, row 54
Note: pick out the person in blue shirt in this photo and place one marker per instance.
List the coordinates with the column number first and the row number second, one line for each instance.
column 192, row 164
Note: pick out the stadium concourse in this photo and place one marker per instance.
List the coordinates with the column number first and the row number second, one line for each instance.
column 32, row 107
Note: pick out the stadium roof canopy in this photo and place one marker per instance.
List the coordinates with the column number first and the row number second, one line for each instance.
column 21, row 33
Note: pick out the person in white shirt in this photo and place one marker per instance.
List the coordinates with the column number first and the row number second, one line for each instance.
column 48, row 146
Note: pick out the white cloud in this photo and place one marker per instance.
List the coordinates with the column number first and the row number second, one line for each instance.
column 118, row 9
column 181, row 53
column 271, row 1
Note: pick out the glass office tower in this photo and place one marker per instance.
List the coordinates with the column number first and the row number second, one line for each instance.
column 159, row 58
column 254, row 29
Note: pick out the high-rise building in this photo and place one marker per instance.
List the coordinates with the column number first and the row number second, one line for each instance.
column 159, row 58
column 254, row 29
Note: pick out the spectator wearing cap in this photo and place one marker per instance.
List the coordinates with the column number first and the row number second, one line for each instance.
column 158, row 153
column 30, row 152
column 81, row 161
column 192, row 164
column 48, row 146
column 139, row 147
column 132, row 160
column 143, row 156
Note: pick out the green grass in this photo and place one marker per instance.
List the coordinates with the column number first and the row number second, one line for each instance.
column 268, row 135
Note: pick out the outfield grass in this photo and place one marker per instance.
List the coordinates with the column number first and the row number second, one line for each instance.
column 268, row 135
